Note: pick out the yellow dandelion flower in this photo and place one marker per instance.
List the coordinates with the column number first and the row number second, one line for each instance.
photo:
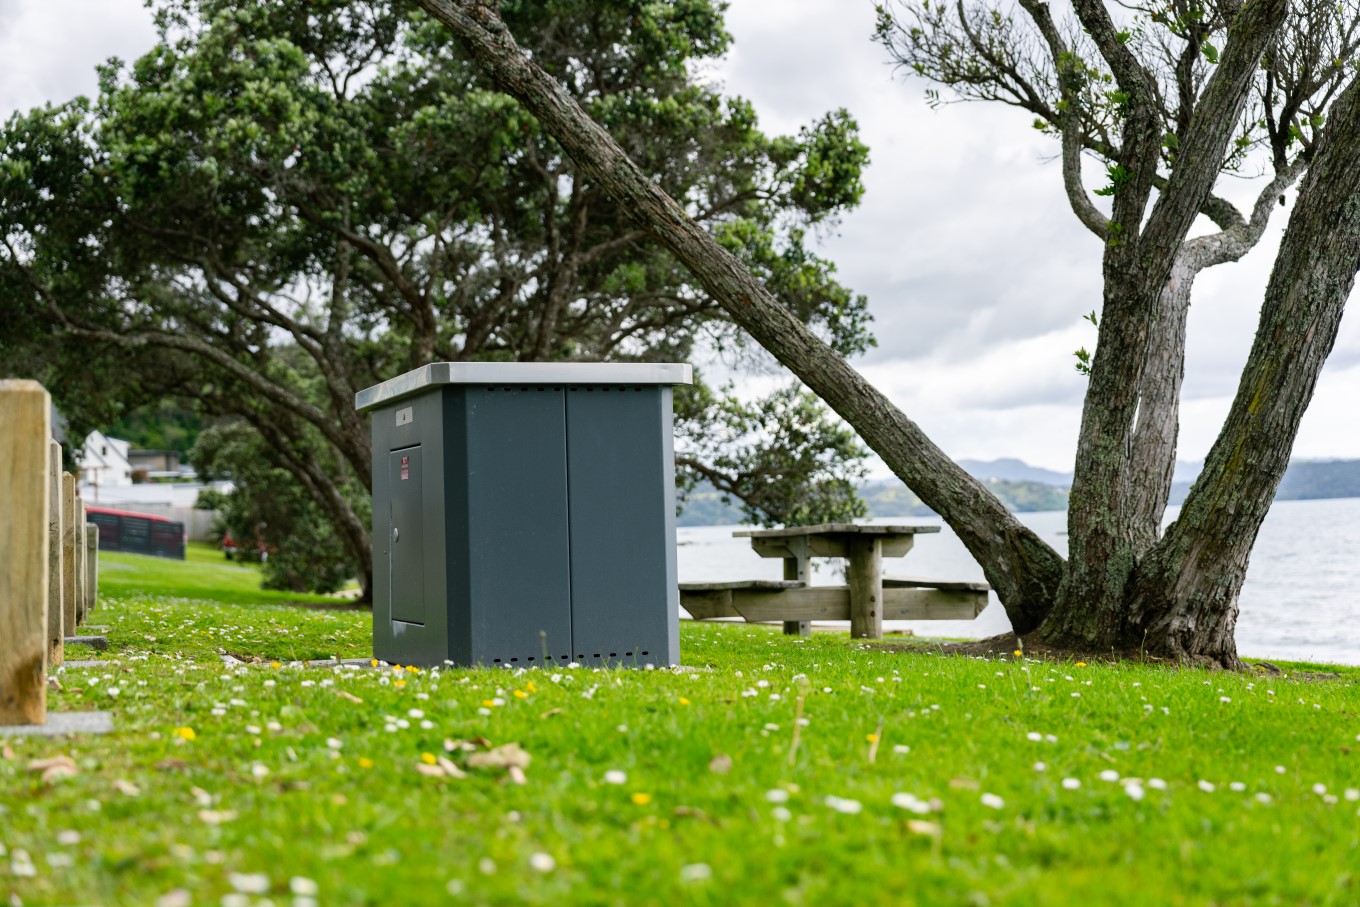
column 1081, row 664
column 276, row 664
column 428, row 758
column 374, row 662
column 683, row 701
column 531, row 687
column 412, row 669
column 399, row 683
column 489, row 703
column 186, row 733
column 520, row 694
column 1018, row 653
column 872, row 738
column 641, row 799
column 365, row 762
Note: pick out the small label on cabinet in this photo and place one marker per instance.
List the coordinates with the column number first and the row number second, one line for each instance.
column 406, row 416
column 405, row 468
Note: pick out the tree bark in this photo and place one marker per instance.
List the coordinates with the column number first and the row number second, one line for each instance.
column 1185, row 593
column 1023, row 570
column 1152, row 457
column 1104, row 524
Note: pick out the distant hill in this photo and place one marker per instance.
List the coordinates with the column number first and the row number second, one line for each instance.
column 1010, row 469
column 890, row 498
column 1304, row 480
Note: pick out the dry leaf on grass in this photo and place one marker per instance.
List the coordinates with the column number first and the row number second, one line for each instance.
column 449, row 768
column 54, row 768
column 216, row 817
column 509, row 755
column 127, row 788
column 921, row 827
column 350, row 696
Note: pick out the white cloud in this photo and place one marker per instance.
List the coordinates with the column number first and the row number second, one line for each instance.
column 49, row 48
column 976, row 271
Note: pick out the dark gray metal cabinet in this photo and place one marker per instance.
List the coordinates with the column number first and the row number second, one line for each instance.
column 524, row 514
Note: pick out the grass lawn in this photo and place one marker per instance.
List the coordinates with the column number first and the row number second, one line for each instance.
column 915, row 778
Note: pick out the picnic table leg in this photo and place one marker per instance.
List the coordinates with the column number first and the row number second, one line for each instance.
column 798, row 568
column 865, row 577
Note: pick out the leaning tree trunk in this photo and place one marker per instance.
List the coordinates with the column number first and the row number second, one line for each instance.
column 1185, row 594
column 1021, row 567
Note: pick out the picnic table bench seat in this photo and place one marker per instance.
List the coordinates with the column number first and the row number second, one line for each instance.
column 904, row 598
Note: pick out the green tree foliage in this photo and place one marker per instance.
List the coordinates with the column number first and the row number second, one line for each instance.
column 302, row 551
column 164, row 425
column 285, row 202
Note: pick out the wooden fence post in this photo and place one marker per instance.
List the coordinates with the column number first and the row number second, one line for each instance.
column 80, row 560
column 25, row 428
column 91, row 566
column 56, row 624
column 68, row 552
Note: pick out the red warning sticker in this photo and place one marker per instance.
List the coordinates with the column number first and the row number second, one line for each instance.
column 405, row 468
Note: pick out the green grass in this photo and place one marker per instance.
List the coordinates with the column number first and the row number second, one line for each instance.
column 205, row 574
column 288, row 776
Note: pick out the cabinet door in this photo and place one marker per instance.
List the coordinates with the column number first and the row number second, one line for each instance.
column 624, row 600
column 518, row 569
column 405, row 537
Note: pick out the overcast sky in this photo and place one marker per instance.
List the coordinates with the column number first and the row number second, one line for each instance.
column 976, row 271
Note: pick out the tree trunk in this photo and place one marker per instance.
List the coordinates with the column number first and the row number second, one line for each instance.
column 1152, row 457
column 1023, row 570
column 1185, row 594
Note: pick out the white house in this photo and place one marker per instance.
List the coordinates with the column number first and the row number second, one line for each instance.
column 104, row 462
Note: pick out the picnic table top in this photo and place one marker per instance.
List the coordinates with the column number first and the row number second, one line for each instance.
column 830, row 529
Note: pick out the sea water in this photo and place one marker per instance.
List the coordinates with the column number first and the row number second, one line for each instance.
column 1300, row 601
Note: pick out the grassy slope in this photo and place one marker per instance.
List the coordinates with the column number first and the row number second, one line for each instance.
column 287, row 777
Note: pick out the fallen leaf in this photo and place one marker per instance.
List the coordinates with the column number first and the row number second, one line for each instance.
column 54, row 768
column 720, row 764
column 509, row 755
column 482, row 742
column 430, row 771
column 453, row 771
column 517, row 774
column 216, row 817
column 172, row 765
column 922, row 827
column 463, row 745
column 347, row 695
column 127, row 788
column 550, row 712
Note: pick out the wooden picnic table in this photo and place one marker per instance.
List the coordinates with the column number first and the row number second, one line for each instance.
column 862, row 545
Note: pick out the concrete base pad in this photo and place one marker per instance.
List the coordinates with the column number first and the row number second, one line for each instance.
column 60, row 723
column 98, row 643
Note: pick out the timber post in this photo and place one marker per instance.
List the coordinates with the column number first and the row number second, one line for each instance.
column 91, row 566
column 56, row 623
column 798, row 568
column 864, row 574
column 25, row 428
column 68, row 552
column 79, row 542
